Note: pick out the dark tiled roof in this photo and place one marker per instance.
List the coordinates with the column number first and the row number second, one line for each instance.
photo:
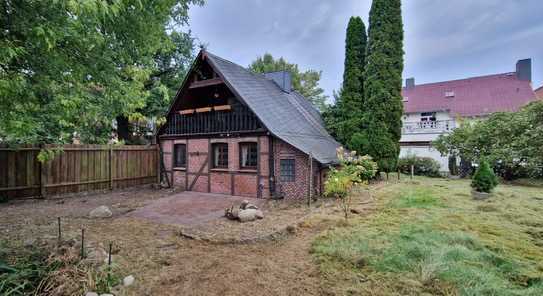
column 472, row 96
column 288, row 116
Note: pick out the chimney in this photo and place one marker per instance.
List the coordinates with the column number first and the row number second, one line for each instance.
column 524, row 70
column 410, row 82
column 282, row 78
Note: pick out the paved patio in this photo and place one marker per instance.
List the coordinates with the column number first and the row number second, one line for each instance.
column 190, row 208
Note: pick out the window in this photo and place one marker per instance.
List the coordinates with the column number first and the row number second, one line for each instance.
column 179, row 155
column 428, row 116
column 220, row 155
column 287, row 167
column 248, row 155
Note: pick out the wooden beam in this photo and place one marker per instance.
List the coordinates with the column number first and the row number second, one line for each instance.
column 207, row 82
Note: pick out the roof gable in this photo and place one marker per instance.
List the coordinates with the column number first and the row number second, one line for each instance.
column 288, row 116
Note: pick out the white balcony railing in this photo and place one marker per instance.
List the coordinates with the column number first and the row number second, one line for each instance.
column 439, row 126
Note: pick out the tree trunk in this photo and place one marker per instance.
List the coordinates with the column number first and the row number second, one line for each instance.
column 123, row 128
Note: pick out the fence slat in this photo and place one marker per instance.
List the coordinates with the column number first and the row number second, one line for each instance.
column 76, row 168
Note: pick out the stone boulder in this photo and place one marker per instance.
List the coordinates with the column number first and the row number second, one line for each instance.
column 101, row 212
column 259, row 214
column 243, row 204
column 247, row 215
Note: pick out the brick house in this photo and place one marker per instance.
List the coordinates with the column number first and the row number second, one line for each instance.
column 231, row 131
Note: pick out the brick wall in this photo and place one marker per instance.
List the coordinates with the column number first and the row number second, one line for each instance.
column 299, row 189
column 232, row 180
column 236, row 181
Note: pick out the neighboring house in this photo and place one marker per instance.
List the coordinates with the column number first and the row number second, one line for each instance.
column 234, row 132
column 539, row 93
column 433, row 109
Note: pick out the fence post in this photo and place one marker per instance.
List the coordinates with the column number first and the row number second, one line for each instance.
column 412, row 171
column 42, row 176
column 158, row 172
column 110, row 167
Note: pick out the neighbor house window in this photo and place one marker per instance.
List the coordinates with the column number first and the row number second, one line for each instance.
column 288, row 170
column 428, row 116
column 220, row 155
column 179, row 155
column 248, row 155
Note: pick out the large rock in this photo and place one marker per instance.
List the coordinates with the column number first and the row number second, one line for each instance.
column 243, row 204
column 259, row 214
column 101, row 212
column 247, row 215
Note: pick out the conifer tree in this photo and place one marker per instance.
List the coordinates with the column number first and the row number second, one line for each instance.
column 383, row 105
column 343, row 119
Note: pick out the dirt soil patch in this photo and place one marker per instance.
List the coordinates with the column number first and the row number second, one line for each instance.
column 166, row 263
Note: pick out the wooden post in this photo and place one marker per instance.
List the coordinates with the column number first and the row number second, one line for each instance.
column 310, row 195
column 158, row 173
column 42, row 177
column 398, row 174
column 110, row 167
column 412, row 171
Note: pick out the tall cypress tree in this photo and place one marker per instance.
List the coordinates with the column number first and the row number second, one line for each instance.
column 343, row 119
column 383, row 105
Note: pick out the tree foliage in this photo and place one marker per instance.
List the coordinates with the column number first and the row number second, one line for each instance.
column 511, row 141
column 484, row 179
column 383, row 105
column 73, row 66
column 304, row 82
column 344, row 118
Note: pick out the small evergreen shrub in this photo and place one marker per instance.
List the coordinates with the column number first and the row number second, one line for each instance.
column 484, row 179
column 423, row 166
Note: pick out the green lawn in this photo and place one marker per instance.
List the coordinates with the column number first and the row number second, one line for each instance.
column 428, row 236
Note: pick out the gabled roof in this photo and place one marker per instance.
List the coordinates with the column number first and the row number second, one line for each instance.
column 475, row 96
column 288, row 116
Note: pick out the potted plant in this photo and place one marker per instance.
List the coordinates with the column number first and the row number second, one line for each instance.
column 483, row 181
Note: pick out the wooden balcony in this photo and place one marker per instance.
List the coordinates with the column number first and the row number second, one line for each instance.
column 238, row 119
column 428, row 127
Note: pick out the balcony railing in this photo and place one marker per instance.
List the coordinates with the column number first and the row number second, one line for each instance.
column 238, row 119
column 439, row 126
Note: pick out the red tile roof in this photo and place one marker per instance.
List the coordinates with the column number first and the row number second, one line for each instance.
column 472, row 96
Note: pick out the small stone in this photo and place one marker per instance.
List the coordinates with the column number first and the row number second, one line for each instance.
column 259, row 214
column 107, row 294
column 29, row 243
column 129, row 280
column 244, row 204
column 291, row 229
column 247, row 215
column 91, row 294
column 101, row 212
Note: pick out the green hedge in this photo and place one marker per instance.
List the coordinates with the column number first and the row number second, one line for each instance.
column 423, row 166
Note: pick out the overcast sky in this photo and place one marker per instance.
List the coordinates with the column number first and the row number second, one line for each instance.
column 444, row 39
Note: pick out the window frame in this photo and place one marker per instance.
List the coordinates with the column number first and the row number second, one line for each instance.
column 175, row 163
column 216, row 162
column 249, row 144
column 290, row 177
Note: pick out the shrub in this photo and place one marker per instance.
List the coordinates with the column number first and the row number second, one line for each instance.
column 484, row 179
column 353, row 170
column 423, row 166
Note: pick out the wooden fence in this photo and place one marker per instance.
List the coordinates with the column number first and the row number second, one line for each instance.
column 76, row 168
